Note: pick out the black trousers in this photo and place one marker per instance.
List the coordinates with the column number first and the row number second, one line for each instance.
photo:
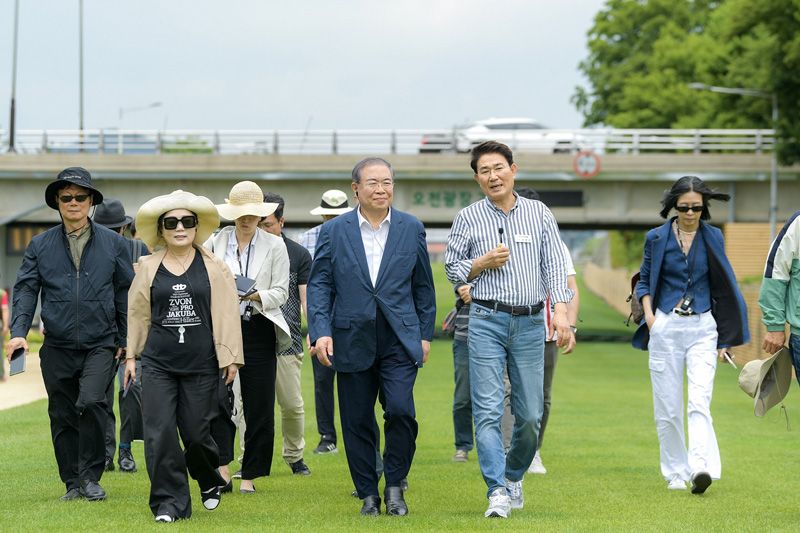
column 257, row 378
column 223, row 430
column 76, row 382
column 111, row 421
column 174, row 404
column 393, row 374
column 323, row 400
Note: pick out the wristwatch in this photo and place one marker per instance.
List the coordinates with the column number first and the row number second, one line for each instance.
column 573, row 329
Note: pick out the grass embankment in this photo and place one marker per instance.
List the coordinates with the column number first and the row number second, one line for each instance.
column 601, row 454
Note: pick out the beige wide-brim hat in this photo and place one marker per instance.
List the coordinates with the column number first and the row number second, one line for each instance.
column 147, row 218
column 246, row 198
column 767, row 380
column 333, row 202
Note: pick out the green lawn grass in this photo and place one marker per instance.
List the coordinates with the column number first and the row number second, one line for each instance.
column 601, row 453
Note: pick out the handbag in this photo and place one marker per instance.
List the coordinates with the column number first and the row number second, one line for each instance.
column 449, row 323
column 637, row 311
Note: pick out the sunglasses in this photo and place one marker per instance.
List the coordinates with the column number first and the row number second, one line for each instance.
column 687, row 208
column 188, row 222
column 80, row 198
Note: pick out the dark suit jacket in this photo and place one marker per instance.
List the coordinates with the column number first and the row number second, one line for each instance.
column 727, row 303
column 342, row 301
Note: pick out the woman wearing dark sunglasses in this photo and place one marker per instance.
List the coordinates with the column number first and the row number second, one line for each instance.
column 182, row 323
column 694, row 312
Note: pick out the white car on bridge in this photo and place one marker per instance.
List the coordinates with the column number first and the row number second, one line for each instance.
column 521, row 135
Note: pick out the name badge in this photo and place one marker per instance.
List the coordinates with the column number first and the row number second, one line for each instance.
column 522, row 238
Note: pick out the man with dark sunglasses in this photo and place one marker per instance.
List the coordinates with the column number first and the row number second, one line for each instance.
column 83, row 272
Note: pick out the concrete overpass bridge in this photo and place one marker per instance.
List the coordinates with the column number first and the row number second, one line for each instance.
column 625, row 193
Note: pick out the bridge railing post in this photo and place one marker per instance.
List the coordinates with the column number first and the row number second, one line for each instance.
column 393, row 146
column 101, row 142
column 44, row 142
column 636, row 143
column 159, row 142
column 216, row 142
column 759, row 141
column 275, row 142
column 697, row 142
column 335, row 147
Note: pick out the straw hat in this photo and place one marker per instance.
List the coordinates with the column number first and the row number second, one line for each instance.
column 147, row 218
column 767, row 380
column 333, row 203
column 246, row 198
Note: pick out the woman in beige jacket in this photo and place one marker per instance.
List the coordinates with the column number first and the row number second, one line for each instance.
column 182, row 324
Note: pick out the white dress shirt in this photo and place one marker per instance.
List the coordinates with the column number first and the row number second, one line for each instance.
column 374, row 242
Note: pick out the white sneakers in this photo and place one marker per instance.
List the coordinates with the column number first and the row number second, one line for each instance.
column 536, row 465
column 164, row 518
column 676, row 483
column 515, row 494
column 499, row 504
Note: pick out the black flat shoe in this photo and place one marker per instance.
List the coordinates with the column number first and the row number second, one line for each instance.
column 372, row 506
column 395, row 503
column 224, row 489
column 248, row 491
column 211, row 498
column 700, row 482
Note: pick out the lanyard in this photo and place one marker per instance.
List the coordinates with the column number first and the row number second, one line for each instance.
column 244, row 271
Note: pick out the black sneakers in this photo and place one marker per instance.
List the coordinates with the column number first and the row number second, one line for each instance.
column 300, row 468
column 326, row 447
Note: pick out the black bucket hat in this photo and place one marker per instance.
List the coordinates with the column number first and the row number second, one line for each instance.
column 111, row 214
column 76, row 175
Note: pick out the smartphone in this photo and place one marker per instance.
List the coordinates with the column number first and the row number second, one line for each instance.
column 17, row 362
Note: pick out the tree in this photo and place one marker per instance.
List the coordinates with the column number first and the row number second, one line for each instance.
column 644, row 53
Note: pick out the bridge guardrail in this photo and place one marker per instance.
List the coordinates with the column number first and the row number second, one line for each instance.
column 406, row 141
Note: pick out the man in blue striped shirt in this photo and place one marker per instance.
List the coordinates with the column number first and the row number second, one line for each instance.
column 509, row 249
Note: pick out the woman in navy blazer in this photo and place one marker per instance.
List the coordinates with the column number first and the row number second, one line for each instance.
column 694, row 312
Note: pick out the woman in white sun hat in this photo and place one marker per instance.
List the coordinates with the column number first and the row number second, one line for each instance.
column 182, row 325
column 255, row 254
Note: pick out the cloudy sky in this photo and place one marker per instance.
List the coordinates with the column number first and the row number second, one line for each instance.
column 256, row 64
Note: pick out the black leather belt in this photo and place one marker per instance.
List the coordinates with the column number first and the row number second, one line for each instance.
column 511, row 309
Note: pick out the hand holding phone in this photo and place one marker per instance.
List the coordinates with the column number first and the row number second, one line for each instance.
column 17, row 361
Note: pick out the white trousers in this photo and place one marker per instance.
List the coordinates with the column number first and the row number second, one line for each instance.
column 677, row 341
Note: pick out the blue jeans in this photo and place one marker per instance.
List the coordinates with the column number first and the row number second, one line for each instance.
column 497, row 339
column 462, row 404
column 794, row 350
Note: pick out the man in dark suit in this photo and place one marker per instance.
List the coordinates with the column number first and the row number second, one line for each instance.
column 371, row 295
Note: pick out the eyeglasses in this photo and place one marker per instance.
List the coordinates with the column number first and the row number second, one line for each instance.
column 374, row 184
column 687, row 208
column 80, row 198
column 187, row 221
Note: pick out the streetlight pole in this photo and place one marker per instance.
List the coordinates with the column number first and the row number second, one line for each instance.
column 122, row 111
column 80, row 61
column 773, row 182
column 12, row 120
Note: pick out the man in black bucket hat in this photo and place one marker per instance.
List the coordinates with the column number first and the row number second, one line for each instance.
column 83, row 272
column 111, row 214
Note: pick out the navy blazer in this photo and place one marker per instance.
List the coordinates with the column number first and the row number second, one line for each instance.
column 342, row 301
column 727, row 302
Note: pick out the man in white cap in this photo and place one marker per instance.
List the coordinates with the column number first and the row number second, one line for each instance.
column 83, row 272
column 333, row 204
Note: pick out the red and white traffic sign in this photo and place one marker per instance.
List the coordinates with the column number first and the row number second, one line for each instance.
column 586, row 164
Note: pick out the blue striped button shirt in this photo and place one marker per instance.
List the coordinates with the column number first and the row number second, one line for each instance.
column 537, row 264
